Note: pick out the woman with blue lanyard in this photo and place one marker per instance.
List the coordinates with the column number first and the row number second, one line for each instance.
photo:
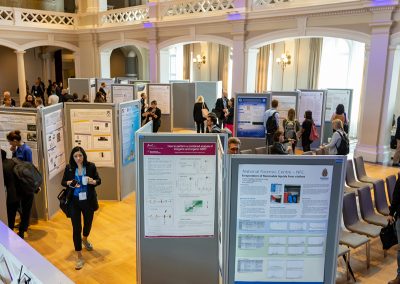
column 81, row 177
column 19, row 149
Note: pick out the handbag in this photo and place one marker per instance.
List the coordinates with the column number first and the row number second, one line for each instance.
column 64, row 199
column 388, row 236
column 314, row 133
column 204, row 111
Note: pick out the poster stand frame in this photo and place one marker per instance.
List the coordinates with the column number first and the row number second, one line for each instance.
column 167, row 120
column 122, row 85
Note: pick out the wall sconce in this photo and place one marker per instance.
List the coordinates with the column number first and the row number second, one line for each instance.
column 284, row 60
column 199, row 59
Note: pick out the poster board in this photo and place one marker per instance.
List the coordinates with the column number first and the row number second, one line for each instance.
column 249, row 118
column 211, row 91
column 80, row 120
column 55, row 159
column 28, row 122
column 129, row 122
column 140, row 88
column 184, row 98
column 281, row 230
column 122, row 93
column 287, row 100
column 313, row 100
column 333, row 98
column 162, row 93
column 107, row 89
column 18, row 260
column 82, row 86
column 155, row 243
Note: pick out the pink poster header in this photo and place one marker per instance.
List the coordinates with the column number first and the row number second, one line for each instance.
column 179, row 148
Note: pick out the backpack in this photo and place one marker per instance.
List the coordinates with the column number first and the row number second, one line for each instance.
column 272, row 124
column 28, row 176
column 290, row 129
column 344, row 146
column 314, row 133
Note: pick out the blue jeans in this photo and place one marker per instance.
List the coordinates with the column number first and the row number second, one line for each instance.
column 398, row 248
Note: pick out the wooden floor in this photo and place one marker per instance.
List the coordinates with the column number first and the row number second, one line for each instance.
column 114, row 257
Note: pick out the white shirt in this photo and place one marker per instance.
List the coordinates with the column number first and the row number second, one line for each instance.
column 335, row 142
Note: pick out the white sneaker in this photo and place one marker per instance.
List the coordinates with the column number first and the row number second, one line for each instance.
column 87, row 245
column 79, row 263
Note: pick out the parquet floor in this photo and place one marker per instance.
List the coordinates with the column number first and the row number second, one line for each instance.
column 114, row 257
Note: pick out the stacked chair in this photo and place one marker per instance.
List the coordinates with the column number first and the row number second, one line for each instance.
column 351, row 177
column 390, row 184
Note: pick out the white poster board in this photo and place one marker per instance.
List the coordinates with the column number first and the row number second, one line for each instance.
column 122, row 93
column 54, row 135
column 282, row 223
column 162, row 94
column 335, row 97
column 92, row 129
column 26, row 123
column 311, row 100
column 140, row 88
column 130, row 122
column 92, row 94
column 285, row 103
column 179, row 189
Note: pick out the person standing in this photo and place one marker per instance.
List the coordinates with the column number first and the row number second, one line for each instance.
column 291, row 126
column 271, row 122
column 99, row 98
column 221, row 106
column 394, row 218
column 198, row 113
column 306, row 131
column 39, row 103
column 37, row 91
column 22, row 152
column 212, row 126
column 103, row 92
column 229, row 115
column 53, row 99
column 338, row 133
column 7, row 95
column 341, row 114
column 143, row 103
column 396, row 157
column 234, row 145
column 153, row 113
column 81, row 177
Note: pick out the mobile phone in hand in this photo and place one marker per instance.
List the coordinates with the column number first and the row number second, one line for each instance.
column 74, row 183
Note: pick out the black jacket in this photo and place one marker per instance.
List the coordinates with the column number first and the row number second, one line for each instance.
column 197, row 113
column 397, row 135
column 395, row 205
column 10, row 181
column 91, row 171
column 278, row 149
column 156, row 111
column 219, row 107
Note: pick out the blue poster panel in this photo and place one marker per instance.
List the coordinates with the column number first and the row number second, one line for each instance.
column 250, row 121
column 130, row 124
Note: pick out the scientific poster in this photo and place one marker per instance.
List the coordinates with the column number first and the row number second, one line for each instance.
column 282, row 223
column 250, row 116
column 130, row 117
column 162, row 94
column 311, row 100
column 107, row 88
column 335, row 97
column 24, row 122
column 92, row 129
column 122, row 93
column 179, row 189
column 54, row 135
column 285, row 103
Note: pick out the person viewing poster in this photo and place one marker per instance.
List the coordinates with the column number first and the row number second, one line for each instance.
column 92, row 129
column 282, row 223
column 161, row 94
column 311, row 100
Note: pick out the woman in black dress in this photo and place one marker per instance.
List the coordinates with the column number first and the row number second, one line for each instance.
column 198, row 113
column 306, row 131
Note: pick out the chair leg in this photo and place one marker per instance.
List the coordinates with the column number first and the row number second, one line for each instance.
column 367, row 246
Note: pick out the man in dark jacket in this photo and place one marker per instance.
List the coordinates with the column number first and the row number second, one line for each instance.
column 393, row 215
column 396, row 157
column 212, row 126
column 221, row 106
column 16, row 197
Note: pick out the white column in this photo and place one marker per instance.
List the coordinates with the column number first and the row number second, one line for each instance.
column 164, row 66
column 77, row 63
column 238, row 68
column 105, row 66
column 373, row 120
column 46, row 57
column 154, row 71
column 251, row 69
column 21, row 75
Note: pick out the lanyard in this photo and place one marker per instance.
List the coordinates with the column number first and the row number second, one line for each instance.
column 77, row 173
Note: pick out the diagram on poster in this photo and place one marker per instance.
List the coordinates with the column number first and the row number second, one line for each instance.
column 282, row 214
column 250, row 117
column 130, row 122
column 179, row 189
column 335, row 97
column 92, row 129
column 312, row 100
column 55, row 142
column 26, row 123
column 162, row 94
column 285, row 103
column 122, row 93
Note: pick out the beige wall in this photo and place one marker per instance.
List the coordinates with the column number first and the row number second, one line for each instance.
column 117, row 63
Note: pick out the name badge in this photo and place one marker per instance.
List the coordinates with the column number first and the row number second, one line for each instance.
column 82, row 195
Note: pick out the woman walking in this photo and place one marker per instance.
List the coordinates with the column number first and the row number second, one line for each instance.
column 198, row 113
column 81, row 177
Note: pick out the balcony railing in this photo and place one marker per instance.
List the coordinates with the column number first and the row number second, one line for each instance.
column 124, row 16
column 37, row 18
column 196, row 7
